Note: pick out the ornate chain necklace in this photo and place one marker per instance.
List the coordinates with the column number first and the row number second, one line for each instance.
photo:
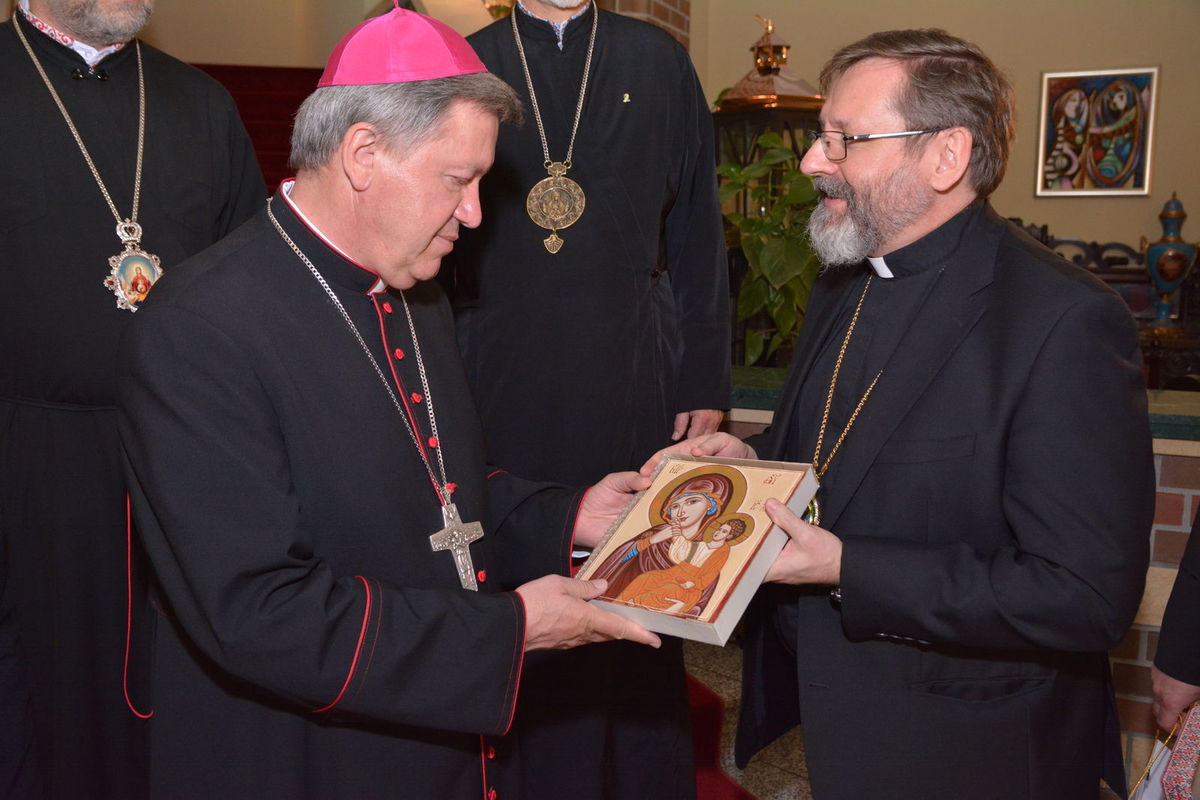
column 133, row 270
column 457, row 536
column 814, row 508
column 556, row 202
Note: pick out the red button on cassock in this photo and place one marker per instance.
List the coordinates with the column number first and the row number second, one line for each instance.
column 433, row 442
column 387, row 307
column 492, row 794
column 481, row 576
column 491, row 752
column 416, row 397
column 398, row 353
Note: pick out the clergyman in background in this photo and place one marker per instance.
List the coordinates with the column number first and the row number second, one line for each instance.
column 592, row 309
column 118, row 157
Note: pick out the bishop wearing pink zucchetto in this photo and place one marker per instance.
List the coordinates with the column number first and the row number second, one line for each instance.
column 307, row 471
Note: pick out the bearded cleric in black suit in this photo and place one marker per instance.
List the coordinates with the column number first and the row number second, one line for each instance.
column 975, row 407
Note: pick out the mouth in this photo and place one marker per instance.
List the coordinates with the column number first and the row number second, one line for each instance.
column 832, row 189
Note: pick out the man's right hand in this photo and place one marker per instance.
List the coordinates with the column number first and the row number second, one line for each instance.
column 558, row 616
column 721, row 445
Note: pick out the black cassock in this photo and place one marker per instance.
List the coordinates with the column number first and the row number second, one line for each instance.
column 1178, row 653
column 62, row 495
column 580, row 360
column 312, row 644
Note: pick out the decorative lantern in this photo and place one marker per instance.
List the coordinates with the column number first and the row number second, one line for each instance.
column 771, row 84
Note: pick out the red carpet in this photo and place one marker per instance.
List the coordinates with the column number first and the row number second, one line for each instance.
column 707, row 716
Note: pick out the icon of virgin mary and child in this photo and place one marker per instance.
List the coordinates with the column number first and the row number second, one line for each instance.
column 674, row 566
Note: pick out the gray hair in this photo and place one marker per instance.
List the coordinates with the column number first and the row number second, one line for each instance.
column 405, row 114
column 951, row 83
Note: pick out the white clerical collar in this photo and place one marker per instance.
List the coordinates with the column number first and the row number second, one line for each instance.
column 560, row 28
column 880, row 266
column 91, row 55
column 285, row 189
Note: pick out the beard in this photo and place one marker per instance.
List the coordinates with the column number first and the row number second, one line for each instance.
column 98, row 22
column 874, row 215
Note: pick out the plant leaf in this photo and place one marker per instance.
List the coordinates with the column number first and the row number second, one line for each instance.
column 752, row 297
column 776, row 341
column 801, row 191
column 754, row 345
column 780, row 260
column 778, row 155
column 784, row 314
column 730, row 170
column 752, row 244
column 770, row 139
column 756, row 169
column 730, row 190
column 772, row 260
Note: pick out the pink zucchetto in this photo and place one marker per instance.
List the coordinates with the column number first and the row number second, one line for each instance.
column 398, row 47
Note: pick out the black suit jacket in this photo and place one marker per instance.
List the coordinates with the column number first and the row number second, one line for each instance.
column 1179, row 643
column 993, row 500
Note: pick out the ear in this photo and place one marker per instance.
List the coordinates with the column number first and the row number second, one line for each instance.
column 952, row 156
column 359, row 154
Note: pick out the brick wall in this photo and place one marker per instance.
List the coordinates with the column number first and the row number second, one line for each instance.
column 672, row 16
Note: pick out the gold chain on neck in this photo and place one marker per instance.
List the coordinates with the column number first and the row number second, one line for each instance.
column 537, row 114
column 837, row 368
column 137, row 180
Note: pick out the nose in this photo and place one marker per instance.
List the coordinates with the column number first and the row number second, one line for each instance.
column 815, row 162
column 469, row 213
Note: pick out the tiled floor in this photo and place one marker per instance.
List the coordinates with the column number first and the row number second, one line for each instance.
column 777, row 773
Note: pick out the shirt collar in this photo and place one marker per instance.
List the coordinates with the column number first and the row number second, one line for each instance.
column 934, row 249
column 560, row 28
column 89, row 54
column 880, row 266
column 363, row 278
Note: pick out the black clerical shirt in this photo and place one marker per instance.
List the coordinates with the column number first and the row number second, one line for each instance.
column 888, row 310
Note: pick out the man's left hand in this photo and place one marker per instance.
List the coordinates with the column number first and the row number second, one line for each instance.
column 1171, row 698
column 603, row 503
column 812, row 554
column 690, row 424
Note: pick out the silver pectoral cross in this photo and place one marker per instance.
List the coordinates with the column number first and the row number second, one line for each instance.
column 457, row 537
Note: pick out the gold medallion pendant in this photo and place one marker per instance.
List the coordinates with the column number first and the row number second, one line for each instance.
column 555, row 203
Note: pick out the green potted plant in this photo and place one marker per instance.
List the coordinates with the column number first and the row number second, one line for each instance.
column 780, row 264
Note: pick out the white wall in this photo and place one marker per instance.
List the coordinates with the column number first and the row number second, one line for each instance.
column 280, row 33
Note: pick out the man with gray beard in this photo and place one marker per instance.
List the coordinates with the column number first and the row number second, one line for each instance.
column 977, row 544
column 120, row 162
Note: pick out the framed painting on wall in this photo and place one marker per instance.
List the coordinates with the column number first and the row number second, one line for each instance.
column 1096, row 132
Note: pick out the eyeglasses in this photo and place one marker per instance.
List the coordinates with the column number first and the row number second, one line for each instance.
column 834, row 143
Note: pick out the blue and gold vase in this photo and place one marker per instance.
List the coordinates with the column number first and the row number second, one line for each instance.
column 1169, row 260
